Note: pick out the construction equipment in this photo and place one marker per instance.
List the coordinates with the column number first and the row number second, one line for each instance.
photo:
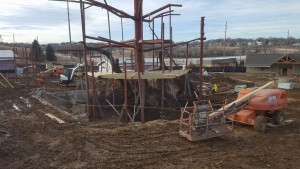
column 196, row 123
column 69, row 73
column 56, row 71
column 202, row 122
column 263, row 105
column 105, row 66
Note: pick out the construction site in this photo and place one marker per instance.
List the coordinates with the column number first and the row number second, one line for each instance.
column 132, row 104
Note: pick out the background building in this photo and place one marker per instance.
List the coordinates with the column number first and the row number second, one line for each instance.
column 7, row 61
column 273, row 64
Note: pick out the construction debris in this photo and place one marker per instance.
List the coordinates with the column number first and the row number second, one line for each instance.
column 55, row 118
column 6, row 81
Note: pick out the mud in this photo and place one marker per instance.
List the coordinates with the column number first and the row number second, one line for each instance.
column 29, row 139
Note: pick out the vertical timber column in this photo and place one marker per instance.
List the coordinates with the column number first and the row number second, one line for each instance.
column 25, row 50
column 125, row 93
column 69, row 26
column 171, row 44
column 138, row 23
column 85, row 56
column 201, row 59
column 162, row 64
column 15, row 62
column 186, row 64
column 123, row 52
column 153, row 27
column 94, row 92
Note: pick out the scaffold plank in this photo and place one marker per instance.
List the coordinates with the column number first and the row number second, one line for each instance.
column 145, row 75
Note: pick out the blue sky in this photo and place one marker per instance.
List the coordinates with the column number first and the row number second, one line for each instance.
column 28, row 19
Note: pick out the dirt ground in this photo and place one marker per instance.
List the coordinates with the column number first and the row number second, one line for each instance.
column 29, row 139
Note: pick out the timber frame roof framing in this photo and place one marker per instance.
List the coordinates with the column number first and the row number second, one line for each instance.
column 286, row 59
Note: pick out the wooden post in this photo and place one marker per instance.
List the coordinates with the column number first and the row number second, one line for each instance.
column 162, row 95
column 25, row 49
column 201, row 59
column 94, row 93
column 162, row 46
column 186, row 64
column 131, row 59
column 15, row 65
column 3, row 84
column 7, row 81
column 153, row 25
column 125, row 93
column 82, row 14
column 138, row 23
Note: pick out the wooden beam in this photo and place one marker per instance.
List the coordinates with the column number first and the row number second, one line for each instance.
column 58, row 120
column 155, row 41
column 146, row 75
column 7, row 81
column 3, row 84
column 109, row 41
column 113, row 107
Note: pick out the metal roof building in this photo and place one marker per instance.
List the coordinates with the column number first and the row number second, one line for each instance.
column 7, row 61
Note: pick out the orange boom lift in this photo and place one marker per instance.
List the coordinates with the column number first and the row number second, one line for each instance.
column 264, row 104
column 253, row 106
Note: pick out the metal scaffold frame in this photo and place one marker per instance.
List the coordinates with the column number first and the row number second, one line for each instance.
column 136, row 44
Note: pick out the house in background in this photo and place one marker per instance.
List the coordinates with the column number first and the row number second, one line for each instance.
column 273, row 64
column 7, row 63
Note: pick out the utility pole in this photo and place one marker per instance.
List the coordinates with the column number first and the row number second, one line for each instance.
column 201, row 59
column 69, row 25
column 224, row 51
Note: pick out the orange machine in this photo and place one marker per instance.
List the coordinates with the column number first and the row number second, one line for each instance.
column 253, row 106
column 56, row 71
column 261, row 106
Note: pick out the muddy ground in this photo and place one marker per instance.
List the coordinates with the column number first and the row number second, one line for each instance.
column 29, row 139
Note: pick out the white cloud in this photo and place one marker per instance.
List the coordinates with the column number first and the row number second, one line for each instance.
column 247, row 18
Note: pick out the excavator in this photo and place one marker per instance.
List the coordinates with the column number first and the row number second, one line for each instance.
column 52, row 72
column 68, row 74
column 253, row 106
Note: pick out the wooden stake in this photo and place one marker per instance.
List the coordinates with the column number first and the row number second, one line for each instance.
column 3, row 84
column 6, row 80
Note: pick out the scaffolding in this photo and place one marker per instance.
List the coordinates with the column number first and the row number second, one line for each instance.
column 137, row 45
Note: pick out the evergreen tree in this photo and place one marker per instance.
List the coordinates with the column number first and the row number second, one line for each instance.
column 50, row 55
column 36, row 52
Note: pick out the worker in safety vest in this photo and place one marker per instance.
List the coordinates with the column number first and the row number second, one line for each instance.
column 215, row 88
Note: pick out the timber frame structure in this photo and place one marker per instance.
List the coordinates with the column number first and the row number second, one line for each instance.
column 136, row 45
